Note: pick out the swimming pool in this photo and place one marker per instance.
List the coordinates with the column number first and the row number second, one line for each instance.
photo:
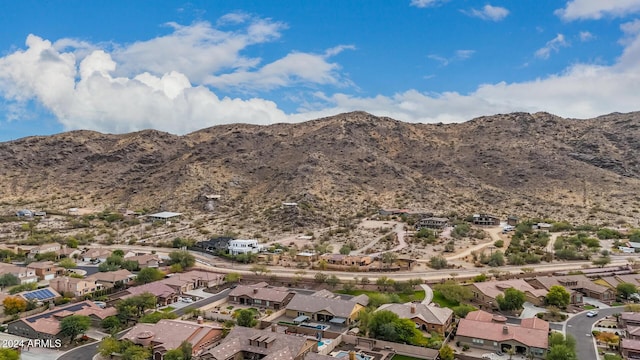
column 345, row 354
column 324, row 342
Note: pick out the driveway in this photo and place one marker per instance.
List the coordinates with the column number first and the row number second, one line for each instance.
column 596, row 303
column 200, row 303
column 530, row 310
column 428, row 294
column 579, row 326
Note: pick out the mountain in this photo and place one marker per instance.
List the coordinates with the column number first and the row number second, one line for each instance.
column 531, row 165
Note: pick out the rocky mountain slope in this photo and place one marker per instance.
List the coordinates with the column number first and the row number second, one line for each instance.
column 525, row 164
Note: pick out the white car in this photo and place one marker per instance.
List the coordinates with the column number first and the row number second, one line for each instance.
column 592, row 313
column 187, row 300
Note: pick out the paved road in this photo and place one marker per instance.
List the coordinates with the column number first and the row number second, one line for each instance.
column 200, row 303
column 580, row 326
column 81, row 353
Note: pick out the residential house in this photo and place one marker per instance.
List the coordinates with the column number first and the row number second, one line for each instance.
column 201, row 278
column 485, row 220
column 324, row 306
column 118, row 278
column 24, row 275
column 628, row 319
column 44, row 248
column 482, row 330
column 250, row 343
column 427, row 318
column 75, row 286
column 214, row 245
column 633, row 332
column 96, row 254
column 485, row 293
column 512, row 220
column 46, row 325
column 46, row 270
column 170, row 334
column 261, row 295
column 306, row 256
column 630, row 348
column 347, row 260
column 164, row 216
column 40, row 295
column 435, row 223
column 164, row 294
column 181, row 286
column 393, row 211
column 579, row 283
column 546, row 282
column 146, row 260
column 239, row 246
column 615, row 280
column 68, row 252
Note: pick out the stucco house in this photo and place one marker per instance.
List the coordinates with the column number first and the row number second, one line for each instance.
column 324, row 306
column 261, row 295
column 482, row 330
column 485, row 293
column 427, row 318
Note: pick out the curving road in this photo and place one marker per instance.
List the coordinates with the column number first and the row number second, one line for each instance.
column 579, row 326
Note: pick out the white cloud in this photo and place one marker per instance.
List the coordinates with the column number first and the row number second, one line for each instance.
column 552, row 45
column 586, row 36
column 488, row 12
column 597, row 9
column 426, row 3
column 458, row 56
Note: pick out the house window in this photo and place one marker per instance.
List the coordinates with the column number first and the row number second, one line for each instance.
column 478, row 341
column 257, row 301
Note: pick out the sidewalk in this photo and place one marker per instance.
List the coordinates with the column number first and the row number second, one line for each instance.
column 428, row 294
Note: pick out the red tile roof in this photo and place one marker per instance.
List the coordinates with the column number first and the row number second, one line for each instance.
column 532, row 332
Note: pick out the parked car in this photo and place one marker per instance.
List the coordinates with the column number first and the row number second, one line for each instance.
column 592, row 313
column 187, row 300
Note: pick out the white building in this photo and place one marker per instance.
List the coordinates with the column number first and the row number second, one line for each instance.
column 244, row 246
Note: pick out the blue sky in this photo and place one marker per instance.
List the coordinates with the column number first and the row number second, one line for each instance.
column 121, row 66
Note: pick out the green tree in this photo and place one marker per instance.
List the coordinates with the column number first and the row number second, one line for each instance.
column 47, row 256
column 74, row 325
column 438, row 262
column 453, row 291
column 345, row 249
column 68, row 263
column 246, row 318
column 112, row 324
column 602, row 261
column 513, row 299
column 135, row 352
column 8, row 280
column 388, row 258
column 446, row 353
column 233, row 277
column 183, row 352
column 462, row 310
column 130, row 265
column 156, row 316
column 108, row 346
column 259, row 269
column 320, row 278
column 626, row 289
column 182, row 257
column 333, row 281
column 118, row 252
column 558, row 296
column 561, row 352
column 148, row 275
column 496, row 259
column 386, row 325
column 9, row 354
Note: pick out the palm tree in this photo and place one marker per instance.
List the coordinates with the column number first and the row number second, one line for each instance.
column 511, row 351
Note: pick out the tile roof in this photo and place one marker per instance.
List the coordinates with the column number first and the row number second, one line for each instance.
column 42, row 265
column 144, row 259
column 281, row 346
column 48, row 322
column 632, row 316
column 314, row 304
column 97, row 253
column 633, row 330
column 495, row 288
column 630, row 344
column 428, row 314
column 169, row 334
column 260, row 291
column 156, row 288
column 111, row 276
column 531, row 332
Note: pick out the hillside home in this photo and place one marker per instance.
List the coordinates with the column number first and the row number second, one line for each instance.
column 434, row 223
column 44, row 248
column 170, row 334
column 485, row 293
column 24, row 275
column 482, row 330
column 239, row 246
column 164, row 294
column 261, row 295
column 427, row 318
column 485, row 220
column 46, row 270
column 347, row 260
column 146, row 260
column 164, row 216
column 324, row 306
column 46, row 325
column 214, row 245
column 75, row 286
column 96, row 254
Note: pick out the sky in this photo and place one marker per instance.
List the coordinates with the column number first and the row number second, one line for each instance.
column 119, row 66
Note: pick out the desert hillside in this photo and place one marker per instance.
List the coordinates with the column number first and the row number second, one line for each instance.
column 524, row 164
